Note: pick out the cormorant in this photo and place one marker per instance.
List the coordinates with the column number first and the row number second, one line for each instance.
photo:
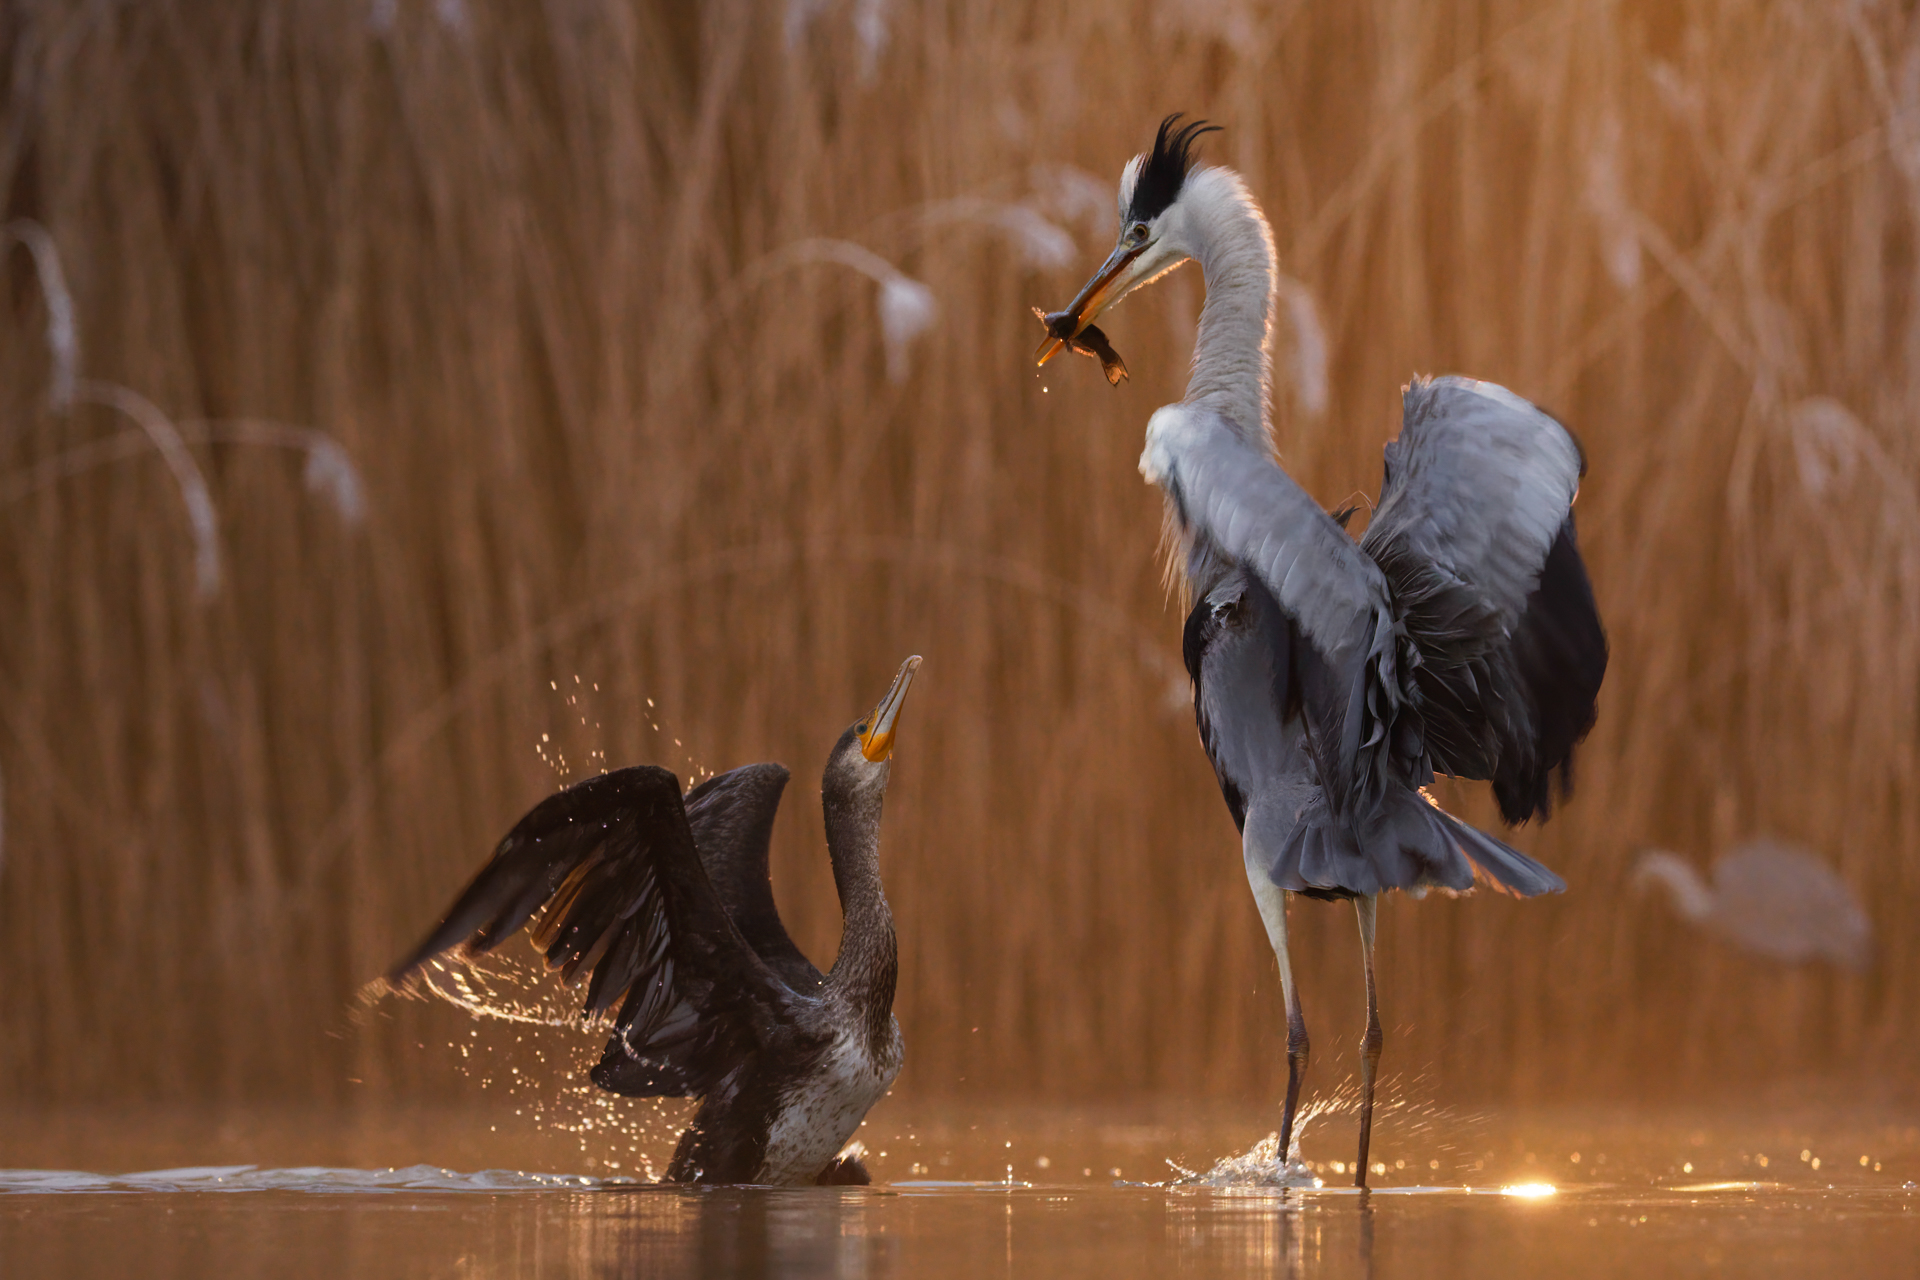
column 665, row 900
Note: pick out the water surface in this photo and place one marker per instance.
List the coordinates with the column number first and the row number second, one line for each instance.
column 966, row 1192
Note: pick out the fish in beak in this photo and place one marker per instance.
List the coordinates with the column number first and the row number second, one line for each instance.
column 1074, row 329
column 1088, row 341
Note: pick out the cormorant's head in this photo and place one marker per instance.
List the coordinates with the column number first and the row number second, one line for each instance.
column 1154, row 239
column 860, row 757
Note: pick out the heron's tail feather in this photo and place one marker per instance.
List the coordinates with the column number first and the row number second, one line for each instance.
column 1408, row 843
column 1504, row 866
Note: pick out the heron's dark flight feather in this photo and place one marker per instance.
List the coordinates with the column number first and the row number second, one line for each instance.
column 1560, row 651
column 1474, row 533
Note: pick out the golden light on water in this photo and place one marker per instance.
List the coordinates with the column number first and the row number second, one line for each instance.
column 1531, row 1190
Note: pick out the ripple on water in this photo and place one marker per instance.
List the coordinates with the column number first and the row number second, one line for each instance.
column 246, row 1177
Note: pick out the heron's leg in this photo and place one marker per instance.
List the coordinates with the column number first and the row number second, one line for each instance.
column 1370, row 1044
column 1272, row 901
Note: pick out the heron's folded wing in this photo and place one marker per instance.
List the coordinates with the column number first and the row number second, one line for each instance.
column 1235, row 499
column 732, row 819
column 610, row 868
column 1232, row 491
column 1475, row 535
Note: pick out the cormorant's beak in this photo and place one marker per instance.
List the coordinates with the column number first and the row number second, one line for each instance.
column 1096, row 296
column 876, row 735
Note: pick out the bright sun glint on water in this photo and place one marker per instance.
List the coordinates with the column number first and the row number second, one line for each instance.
column 1530, row 1190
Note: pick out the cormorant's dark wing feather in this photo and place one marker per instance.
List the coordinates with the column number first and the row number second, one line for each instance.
column 732, row 819
column 550, row 852
column 1475, row 535
column 612, row 861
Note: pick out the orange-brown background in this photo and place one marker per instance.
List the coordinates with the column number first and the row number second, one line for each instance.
column 532, row 267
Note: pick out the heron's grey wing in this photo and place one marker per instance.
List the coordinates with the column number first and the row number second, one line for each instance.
column 732, row 819
column 1233, row 500
column 1475, row 535
column 610, row 869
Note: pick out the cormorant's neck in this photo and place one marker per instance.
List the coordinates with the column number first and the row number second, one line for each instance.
column 868, row 962
column 1233, row 351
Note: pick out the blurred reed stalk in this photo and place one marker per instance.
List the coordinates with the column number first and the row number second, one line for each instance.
column 530, row 273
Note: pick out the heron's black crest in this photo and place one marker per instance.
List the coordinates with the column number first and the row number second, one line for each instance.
column 1165, row 171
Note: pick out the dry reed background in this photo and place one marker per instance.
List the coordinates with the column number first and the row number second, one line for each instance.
column 556, row 279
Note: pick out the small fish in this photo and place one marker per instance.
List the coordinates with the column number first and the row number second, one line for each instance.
column 1090, row 341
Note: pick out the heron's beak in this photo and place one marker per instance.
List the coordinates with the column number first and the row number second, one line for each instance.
column 876, row 736
column 1097, row 294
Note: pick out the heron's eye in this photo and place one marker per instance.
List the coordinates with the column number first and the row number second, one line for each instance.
column 1138, row 233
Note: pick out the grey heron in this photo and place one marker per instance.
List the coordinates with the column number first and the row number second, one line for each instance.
column 1769, row 899
column 665, row 900
column 1332, row 679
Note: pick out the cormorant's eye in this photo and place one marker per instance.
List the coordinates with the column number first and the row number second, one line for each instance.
column 861, row 728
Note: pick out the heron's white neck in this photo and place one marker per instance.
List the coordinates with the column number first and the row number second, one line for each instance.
column 1233, row 351
column 1691, row 897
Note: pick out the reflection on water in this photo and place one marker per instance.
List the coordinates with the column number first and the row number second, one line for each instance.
column 311, row 1178
column 1560, row 1196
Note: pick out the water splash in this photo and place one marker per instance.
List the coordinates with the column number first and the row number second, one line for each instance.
column 553, row 1091
column 490, row 993
column 1261, row 1165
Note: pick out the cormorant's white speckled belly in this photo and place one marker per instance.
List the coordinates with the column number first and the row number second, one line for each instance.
column 817, row 1117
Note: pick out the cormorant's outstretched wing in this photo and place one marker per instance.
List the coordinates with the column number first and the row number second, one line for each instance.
column 1236, row 503
column 732, row 819
column 612, row 862
column 1475, row 535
